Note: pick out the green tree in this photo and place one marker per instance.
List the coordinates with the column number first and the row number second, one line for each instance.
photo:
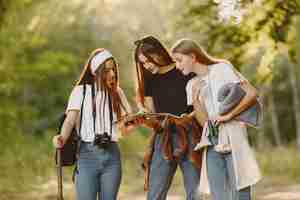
column 254, row 46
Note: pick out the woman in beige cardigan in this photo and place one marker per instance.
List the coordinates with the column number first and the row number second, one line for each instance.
column 229, row 168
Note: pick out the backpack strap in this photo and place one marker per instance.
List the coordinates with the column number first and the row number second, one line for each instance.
column 110, row 113
column 81, row 109
column 75, row 170
column 94, row 107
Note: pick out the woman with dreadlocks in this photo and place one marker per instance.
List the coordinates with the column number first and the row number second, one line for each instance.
column 99, row 101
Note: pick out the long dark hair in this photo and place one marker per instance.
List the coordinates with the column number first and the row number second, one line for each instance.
column 86, row 77
column 149, row 46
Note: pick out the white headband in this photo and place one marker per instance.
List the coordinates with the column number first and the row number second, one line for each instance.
column 99, row 59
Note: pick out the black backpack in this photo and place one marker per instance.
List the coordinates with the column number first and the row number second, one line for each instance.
column 68, row 154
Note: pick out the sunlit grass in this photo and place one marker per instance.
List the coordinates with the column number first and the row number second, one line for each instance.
column 25, row 160
column 281, row 165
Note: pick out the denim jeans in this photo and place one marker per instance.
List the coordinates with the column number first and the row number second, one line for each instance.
column 99, row 172
column 221, row 177
column 162, row 172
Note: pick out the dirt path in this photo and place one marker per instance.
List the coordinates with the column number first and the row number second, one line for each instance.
column 281, row 193
column 48, row 190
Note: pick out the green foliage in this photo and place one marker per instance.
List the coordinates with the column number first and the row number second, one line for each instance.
column 24, row 160
column 281, row 169
column 261, row 47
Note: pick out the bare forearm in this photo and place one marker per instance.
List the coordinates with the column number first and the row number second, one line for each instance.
column 149, row 104
column 246, row 102
column 200, row 112
column 201, row 117
column 69, row 124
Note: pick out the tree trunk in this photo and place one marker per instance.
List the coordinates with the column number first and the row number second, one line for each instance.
column 3, row 10
column 274, row 119
column 296, row 103
column 261, row 136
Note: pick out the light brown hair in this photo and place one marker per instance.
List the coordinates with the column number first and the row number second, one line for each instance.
column 188, row 47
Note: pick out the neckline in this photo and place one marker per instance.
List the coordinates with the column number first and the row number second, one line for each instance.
column 166, row 69
column 209, row 69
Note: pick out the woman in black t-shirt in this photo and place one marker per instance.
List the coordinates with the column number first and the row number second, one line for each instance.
column 161, row 88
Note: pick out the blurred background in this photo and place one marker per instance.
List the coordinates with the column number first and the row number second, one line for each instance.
column 45, row 43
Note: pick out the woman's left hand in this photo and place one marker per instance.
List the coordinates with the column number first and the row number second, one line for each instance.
column 222, row 118
column 126, row 130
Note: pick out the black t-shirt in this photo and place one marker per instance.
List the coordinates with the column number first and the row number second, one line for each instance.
column 168, row 91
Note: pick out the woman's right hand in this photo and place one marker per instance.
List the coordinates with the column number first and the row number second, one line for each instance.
column 58, row 141
column 153, row 123
column 184, row 115
column 69, row 123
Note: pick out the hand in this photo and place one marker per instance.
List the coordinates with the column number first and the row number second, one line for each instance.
column 153, row 123
column 133, row 121
column 223, row 118
column 183, row 115
column 185, row 119
column 126, row 129
column 58, row 141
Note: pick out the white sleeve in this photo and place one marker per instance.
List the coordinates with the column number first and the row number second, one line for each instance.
column 124, row 101
column 75, row 98
column 189, row 95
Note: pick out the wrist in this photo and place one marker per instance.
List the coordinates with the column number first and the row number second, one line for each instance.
column 63, row 139
column 230, row 116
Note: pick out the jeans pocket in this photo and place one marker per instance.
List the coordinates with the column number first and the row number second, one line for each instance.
column 116, row 154
column 85, row 148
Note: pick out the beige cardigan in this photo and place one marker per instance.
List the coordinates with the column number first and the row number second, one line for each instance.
column 246, row 169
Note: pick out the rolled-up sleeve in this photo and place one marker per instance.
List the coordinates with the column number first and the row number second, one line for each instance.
column 124, row 101
column 75, row 98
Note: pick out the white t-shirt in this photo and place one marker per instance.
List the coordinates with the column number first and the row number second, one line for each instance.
column 102, row 118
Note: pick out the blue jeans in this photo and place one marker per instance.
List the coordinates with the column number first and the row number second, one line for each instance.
column 99, row 172
column 162, row 172
column 221, row 177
